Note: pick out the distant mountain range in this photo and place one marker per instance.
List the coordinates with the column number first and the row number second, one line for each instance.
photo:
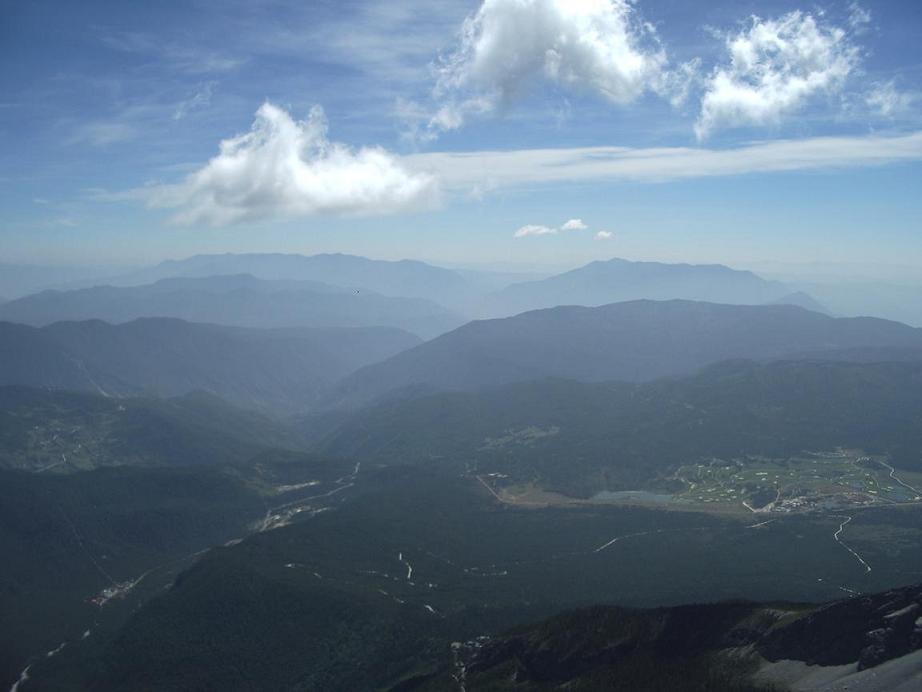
column 280, row 369
column 617, row 280
column 239, row 300
column 18, row 280
column 404, row 278
column 346, row 290
column 497, row 293
column 632, row 341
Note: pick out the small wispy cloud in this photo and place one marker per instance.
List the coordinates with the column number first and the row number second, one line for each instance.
column 394, row 41
column 103, row 133
column 887, row 101
column 494, row 170
column 534, row 230
column 574, row 225
column 538, row 230
column 186, row 57
column 200, row 99
column 859, row 18
column 604, row 235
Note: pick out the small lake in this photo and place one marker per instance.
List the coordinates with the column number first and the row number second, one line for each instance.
column 632, row 496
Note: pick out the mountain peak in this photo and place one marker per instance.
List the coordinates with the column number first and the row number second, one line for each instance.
column 617, row 280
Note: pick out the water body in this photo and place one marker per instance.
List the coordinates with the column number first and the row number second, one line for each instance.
column 633, row 496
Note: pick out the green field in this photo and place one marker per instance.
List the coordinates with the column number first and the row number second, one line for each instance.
column 816, row 481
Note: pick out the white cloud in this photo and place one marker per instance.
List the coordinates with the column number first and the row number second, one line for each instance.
column 283, row 167
column 574, row 225
column 776, row 66
column 493, row 170
column 592, row 45
column 530, row 230
column 604, row 235
column 886, row 100
column 534, row 230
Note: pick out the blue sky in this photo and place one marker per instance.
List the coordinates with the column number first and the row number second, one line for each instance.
column 732, row 132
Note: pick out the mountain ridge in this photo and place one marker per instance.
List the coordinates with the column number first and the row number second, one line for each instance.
column 394, row 278
column 271, row 370
column 619, row 280
column 631, row 341
column 236, row 300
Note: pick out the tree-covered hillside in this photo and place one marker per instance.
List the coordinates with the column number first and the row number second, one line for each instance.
column 57, row 431
column 275, row 370
column 635, row 341
column 580, row 438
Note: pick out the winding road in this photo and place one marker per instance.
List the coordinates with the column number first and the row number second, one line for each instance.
column 838, row 540
column 898, row 479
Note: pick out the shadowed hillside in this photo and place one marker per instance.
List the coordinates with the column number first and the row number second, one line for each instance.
column 583, row 437
column 634, row 341
column 273, row 370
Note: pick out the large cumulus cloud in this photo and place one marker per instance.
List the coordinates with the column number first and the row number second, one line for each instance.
column 775, row 67
column 286, row 168
column 593, row 45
